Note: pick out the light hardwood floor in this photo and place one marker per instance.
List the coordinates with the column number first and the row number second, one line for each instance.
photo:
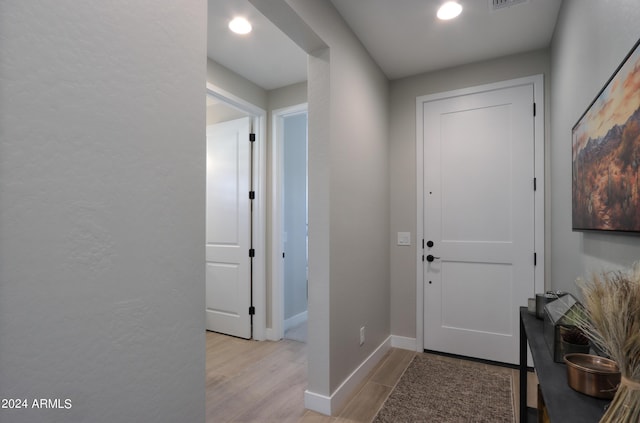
column 264, row 382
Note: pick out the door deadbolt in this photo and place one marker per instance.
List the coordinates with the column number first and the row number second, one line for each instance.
column 429, row 244
column 431, row 258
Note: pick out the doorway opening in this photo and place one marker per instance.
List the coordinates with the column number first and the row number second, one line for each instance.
column 235, row 216
column 290, row 223
column 240, row 370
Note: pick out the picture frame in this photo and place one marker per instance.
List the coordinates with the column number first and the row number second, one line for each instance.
column 606, row 155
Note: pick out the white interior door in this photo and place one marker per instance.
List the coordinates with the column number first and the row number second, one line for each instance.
column 228, row 226
column 479, row 214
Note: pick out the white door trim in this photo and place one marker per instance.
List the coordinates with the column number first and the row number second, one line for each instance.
column 277, row 216
column 538, row 95
column 260, row 204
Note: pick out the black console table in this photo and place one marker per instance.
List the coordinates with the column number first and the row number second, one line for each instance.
column 564, row 405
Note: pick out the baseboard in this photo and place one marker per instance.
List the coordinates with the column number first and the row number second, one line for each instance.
column 317, row 402
column 404, row 343
column 270, row 334
column 328, row 405
column 295, row 320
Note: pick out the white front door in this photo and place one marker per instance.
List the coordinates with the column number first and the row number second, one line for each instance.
column 479, row 215
column 228, row 226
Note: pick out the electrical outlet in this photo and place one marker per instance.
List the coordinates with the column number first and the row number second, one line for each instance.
column 362, row 335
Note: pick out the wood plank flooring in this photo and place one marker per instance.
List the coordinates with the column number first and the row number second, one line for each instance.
column 264, row 382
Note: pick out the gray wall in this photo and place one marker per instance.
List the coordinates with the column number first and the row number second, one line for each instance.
column 591, row 39
column 102, row 171
column 290, row 95
column 403, row 93
column 235, row 84
column 295, row 214
column 348, row 200
column 220, row 112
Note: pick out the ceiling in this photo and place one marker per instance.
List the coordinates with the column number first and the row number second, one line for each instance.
column 403, row 36
column 265, row 56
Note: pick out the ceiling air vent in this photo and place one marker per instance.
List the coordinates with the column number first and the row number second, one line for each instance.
column 501, row 4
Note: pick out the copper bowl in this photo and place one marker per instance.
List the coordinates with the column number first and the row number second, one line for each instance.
column 592, row 375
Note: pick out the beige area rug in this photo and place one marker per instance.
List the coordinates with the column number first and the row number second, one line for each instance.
column 437, row 389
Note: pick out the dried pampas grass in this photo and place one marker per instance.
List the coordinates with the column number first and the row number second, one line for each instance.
column 612, row 322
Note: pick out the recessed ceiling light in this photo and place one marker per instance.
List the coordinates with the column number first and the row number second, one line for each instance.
column 240, row 25
column 449, row 10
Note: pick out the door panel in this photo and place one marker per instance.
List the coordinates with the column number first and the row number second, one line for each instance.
column 476, row 171
column 463, row 283
column 479, row 211
column 225, row 278
column 228, row 228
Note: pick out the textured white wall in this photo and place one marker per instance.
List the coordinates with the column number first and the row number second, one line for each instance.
column 591, row 39
column 102, row 164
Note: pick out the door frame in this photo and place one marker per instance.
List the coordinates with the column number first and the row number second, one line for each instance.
column 539, row 168
column 259, row 289
column 277, row 216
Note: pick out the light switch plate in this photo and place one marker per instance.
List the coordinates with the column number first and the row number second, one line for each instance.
column 404, row 238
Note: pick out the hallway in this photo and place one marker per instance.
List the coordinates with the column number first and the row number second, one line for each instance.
column 249, row 381
column 264, row 382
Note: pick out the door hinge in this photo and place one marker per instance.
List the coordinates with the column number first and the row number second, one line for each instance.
column 534, row 109
column 252, row 137
column 535, row 259
column 252, row 195
column 252, row 252
column 535, row 184
column 252, row 311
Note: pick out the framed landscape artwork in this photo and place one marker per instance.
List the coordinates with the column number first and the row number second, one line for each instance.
column 606, row 155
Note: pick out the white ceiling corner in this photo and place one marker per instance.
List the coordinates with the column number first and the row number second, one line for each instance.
column 405, row 38
column 266, row 56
